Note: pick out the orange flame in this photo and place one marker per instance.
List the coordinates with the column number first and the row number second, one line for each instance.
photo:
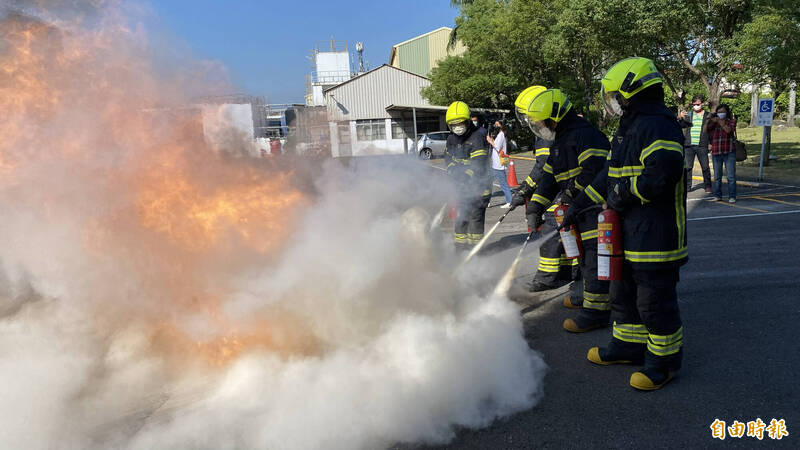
column 188, row 207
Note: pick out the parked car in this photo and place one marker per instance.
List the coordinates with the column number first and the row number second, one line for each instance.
column 432, row 144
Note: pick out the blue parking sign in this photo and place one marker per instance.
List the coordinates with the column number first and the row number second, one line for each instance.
column 764, row 116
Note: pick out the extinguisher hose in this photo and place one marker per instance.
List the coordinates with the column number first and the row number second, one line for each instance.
column 580, row 213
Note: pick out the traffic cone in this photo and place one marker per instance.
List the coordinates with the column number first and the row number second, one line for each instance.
column 511, row 175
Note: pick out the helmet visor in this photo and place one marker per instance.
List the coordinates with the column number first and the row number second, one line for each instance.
column 523, row 118
column 611, row 101
column 541, row 130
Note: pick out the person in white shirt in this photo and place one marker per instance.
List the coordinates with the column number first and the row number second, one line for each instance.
column 499, row 156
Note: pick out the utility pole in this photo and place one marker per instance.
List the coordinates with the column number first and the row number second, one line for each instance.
column 792, row 103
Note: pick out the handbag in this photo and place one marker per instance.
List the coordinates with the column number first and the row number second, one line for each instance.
column 740, row 148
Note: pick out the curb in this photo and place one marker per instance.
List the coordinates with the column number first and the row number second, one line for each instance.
column 738, row 182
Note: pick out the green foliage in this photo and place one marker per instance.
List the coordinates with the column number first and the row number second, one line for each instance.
column 570, row 43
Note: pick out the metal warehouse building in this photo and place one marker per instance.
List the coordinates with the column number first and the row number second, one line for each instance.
column 375, row 112
column 421, row 54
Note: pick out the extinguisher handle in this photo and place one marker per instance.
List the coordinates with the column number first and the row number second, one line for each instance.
column 581, row 212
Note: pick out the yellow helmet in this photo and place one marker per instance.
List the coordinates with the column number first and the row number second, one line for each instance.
column 550, row 104
column 625, row 79
column 457, row 112
column 524, row 100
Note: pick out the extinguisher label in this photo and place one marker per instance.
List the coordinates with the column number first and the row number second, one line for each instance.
column 605, row 249
column 570, row 244
column 603, row 267
column 604, row 226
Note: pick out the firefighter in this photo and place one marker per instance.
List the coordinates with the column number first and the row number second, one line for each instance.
column 645, row 182
column 467, row 161
column 578, row 154
column 554, row 268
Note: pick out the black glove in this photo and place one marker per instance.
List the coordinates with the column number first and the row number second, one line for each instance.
column 570, row 216
column 535, row 215
column 619, row 198
column 517, row 199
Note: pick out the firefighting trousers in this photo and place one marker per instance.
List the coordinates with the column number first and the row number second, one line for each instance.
column 469, row 223
column 554, row 267
column 596, row 300
column 645, row 314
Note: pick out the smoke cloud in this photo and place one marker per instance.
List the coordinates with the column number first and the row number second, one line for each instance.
column 161, row 291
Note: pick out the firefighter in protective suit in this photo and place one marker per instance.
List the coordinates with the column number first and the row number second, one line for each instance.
column 554, row 268
column 578, row 154
column 467, row 160
column 644, row 182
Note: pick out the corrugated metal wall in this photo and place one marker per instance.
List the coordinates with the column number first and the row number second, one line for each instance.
column 368, row 96
column 415, row 56
column 437, row 43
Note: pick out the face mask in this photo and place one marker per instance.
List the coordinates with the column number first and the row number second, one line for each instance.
column 475, row 122
column 721, row 115
column 458, row 129
column 697, row 107
column 541, row 130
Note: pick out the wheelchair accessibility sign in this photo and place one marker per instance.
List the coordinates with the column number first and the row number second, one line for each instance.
column 766, row 107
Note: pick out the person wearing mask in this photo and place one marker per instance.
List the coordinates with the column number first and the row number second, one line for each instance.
column 578, row 154
column 467, row 160
column 644, row 182
column 721, row 129
column 696, row 141
column 499, row 155
column 554, row 269
column 477, row 123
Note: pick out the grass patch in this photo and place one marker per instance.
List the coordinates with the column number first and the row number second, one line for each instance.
column 785, row 146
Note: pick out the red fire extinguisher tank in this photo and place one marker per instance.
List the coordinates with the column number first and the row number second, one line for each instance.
column 570, row 238
column 610, row 253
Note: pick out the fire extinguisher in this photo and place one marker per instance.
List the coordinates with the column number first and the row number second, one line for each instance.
column 610, row 253
column 570, row 238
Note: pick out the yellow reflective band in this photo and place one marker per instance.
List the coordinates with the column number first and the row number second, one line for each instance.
column 594, row 195
column 563, row 176
column 667, row 339
column 589, row 152
column 660, row 145
column 469, row 172
column 541, row 200
column 672, row 255
column 544, row 151
column 569, row 262
column 635, row 190
column 477, row 153
column 578, row 185
column 664, row 350
column 462, row 161
column 630, row 332
column 589, row 234
column 451, row 165
column 631, row 171
column 615, row 172
column 543, row 259
column 459, row 237
column 487, row 193
column 548, row 269
column 598, row 306
column 596, row 297
column 548, row 168
column 680, row 210
column 529, row 182
column 552, row 208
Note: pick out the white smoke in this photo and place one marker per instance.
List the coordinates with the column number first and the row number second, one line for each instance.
column 125, row 256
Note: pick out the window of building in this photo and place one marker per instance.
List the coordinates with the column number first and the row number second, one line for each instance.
column 370, row 129
column 402, row 128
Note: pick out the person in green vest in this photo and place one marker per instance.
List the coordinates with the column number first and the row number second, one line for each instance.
column 696, row 141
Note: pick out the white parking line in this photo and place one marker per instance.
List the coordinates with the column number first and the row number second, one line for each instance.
column 744, row 215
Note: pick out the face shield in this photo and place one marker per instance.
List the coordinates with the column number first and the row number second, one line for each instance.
column 458, row 128
column 540, row 129
column 523, row 118
column 612, row 102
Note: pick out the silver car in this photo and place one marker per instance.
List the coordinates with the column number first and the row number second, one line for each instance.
column 432, row 144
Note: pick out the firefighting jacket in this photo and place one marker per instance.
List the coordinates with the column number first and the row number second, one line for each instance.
column 541, row 152
column 578, row 154
column 467, row 160
column 647, row 158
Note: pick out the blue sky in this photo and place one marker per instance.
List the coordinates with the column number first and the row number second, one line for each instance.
column 265, row 44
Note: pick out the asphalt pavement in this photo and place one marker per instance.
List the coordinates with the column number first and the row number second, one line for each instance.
column 740, row 303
